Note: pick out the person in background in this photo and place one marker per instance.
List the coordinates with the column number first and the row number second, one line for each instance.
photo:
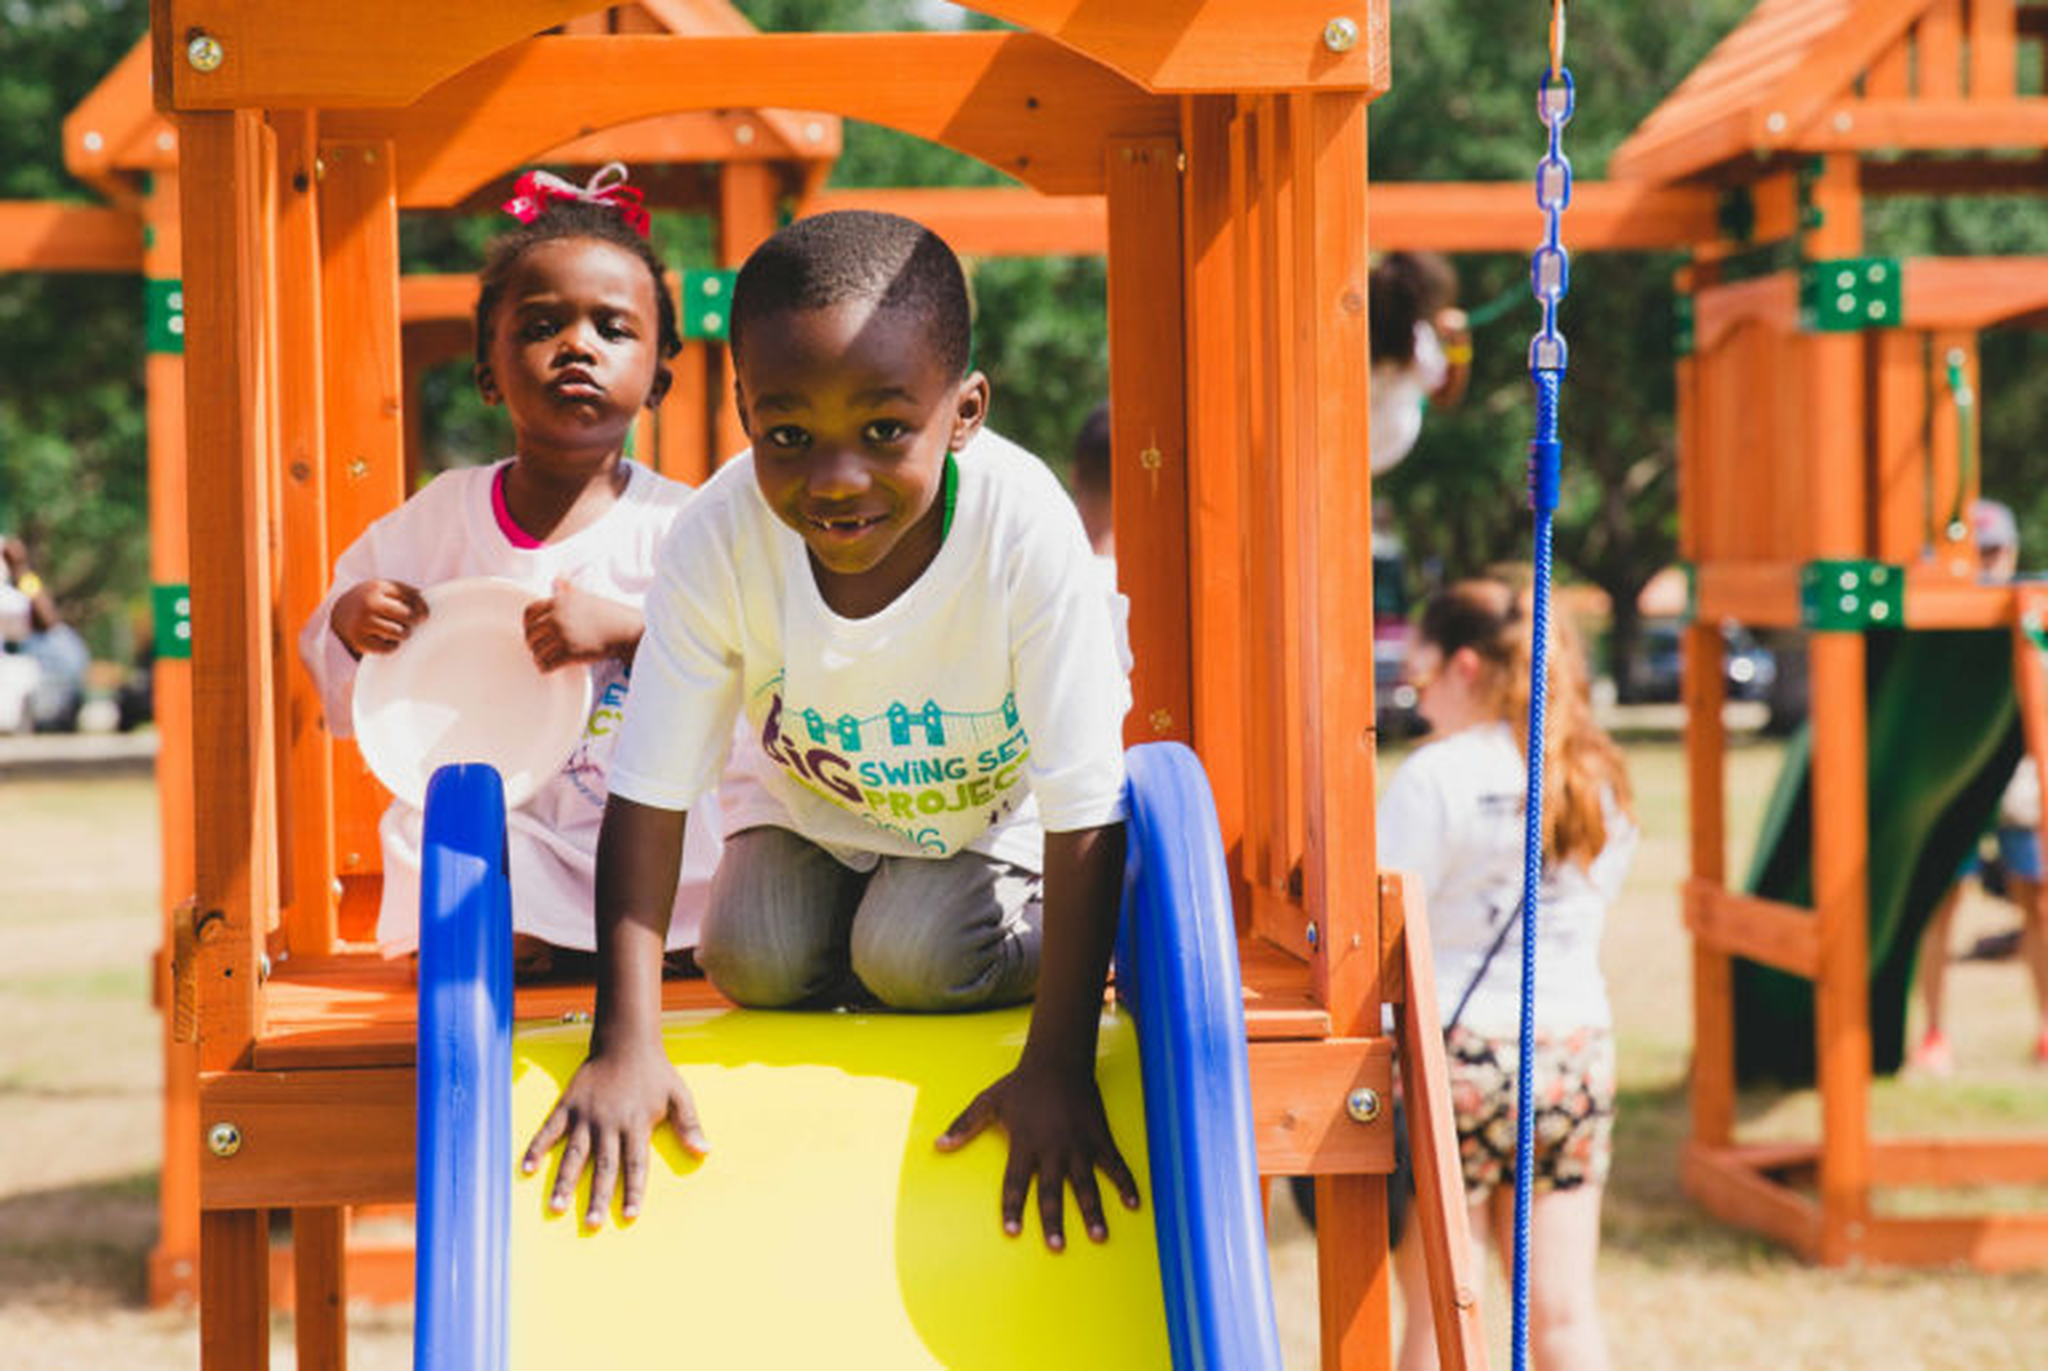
column 48, row 688
column 1452, row 815
column 1090, row 481
column 2018, row 869
column 1421, row 349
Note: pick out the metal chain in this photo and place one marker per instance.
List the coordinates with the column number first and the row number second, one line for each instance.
column 1549, row 279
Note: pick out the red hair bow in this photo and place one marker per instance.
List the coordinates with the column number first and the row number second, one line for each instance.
column 534, row 189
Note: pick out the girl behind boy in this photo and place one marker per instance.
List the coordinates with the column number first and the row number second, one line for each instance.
column 924, row 806
column 1453, row 815
column 573, row 321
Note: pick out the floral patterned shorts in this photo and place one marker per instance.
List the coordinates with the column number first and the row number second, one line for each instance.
column 1574, row 1091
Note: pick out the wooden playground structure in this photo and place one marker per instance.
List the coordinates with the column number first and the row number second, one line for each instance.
column 1216, row 152
column 1827, row 432
column 1228, row 151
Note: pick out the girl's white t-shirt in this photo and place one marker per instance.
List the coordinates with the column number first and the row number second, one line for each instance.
column 1453, row 817
column 448, row 531
column 981, row 707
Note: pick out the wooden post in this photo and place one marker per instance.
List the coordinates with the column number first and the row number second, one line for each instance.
column 223, row 229
column 682, row 428
column 320, row 1281
column 1331, row 544
column 1713, row 980
column 364, row 467
column 1834, row 444
column 1907, row 508
column 1216, row 504
column 311, row 907
column 1148, row 428
column 174, row 1265
column 749, row 195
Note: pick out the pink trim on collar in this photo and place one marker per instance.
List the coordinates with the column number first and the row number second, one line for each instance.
column 514, row 534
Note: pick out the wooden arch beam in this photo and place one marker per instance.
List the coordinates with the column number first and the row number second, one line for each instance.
column 387, row 53
column 1021, row 103
column 38, row 235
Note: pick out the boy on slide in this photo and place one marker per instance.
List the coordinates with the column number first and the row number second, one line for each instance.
column 923, row 808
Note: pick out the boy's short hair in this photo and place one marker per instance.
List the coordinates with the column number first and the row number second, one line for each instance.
column 858, row 255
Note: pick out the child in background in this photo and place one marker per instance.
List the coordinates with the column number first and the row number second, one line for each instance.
column 1090, row 481
column 573, row 323
column 1997, row 535
column 1453, row 816
column 1421, row 349
column 929, row 779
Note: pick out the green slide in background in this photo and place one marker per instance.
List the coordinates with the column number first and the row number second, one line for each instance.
column 1944, row 737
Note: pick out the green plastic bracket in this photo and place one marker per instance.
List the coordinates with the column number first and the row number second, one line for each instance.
column 170, row 608
column 1847, row 294
column 1810, row 172
column 707, row 303
column 1851, row 594
column 1682, row 337
column 164, row 310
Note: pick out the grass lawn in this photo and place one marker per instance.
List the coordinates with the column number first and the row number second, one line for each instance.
column 79, row 1073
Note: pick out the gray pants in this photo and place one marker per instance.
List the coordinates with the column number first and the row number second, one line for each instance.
column 791, row 927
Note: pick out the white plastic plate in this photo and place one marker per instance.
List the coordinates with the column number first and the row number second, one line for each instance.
column 464, row 688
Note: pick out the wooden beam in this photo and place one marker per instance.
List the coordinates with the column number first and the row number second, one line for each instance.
column 1755, row 594
column 1481, row 216
column 305, row 52
column 1829, row 69
column 1213, row 229
column 1936, row 597
column 1299, row 1116
column 46, row 235
column 1733, row 1193
column 114, row 116
column 1994, row 55
column 1972, row 293
column 1960, row 1161
column 318, row 1137
column 1440, row 1208
column 228, row 508
column 1148, row 430
column 1985, row 1243
column 989, row 221
column 1928, row 125
column 364, row 459
column 320, row 1286
column 1018, row 102
column 308, row 819
column 1712, row 1087
column 1956, row 176
column 234, row 1289
column 1779, row 935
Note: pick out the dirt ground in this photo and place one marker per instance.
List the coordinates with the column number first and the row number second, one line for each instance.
column 79, row 1075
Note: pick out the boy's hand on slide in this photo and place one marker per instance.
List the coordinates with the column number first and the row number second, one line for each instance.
column 576, row 625
column 609, row 1109
column 376, row 616
column 1059, row 1137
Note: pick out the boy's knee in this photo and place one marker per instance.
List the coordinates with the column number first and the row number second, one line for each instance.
column 749, row 979
column 932, row 974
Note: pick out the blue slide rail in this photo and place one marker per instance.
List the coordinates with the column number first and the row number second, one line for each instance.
column 464, row 1159
column 1176, row 969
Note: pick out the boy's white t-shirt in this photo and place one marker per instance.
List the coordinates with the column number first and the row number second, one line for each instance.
column 981, row 707
column 448, row 531
column 1453, row 817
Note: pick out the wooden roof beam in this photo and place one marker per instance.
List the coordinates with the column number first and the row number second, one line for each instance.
column 298, row 53
column 1928, row 125
column 40, row 235
column 104, row 130
column 1018, row 102
column 1481, row 216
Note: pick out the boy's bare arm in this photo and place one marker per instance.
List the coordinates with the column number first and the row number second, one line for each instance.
column 1050, row 1105
column 620, row 1095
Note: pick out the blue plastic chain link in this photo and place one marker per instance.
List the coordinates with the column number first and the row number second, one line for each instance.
column 1549, row 279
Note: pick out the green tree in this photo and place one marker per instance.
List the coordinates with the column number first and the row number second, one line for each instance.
column 1462, row 107
column 73, row 459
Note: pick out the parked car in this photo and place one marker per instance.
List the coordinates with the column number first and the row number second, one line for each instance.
column 1751, row 669
column 1392, row 637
